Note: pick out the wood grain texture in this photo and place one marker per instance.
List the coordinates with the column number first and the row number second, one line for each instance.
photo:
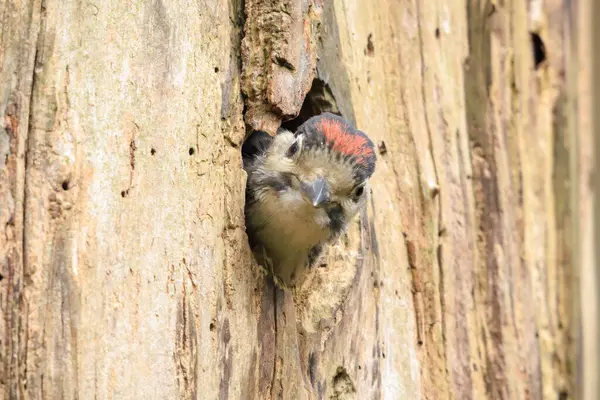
column 125, row 270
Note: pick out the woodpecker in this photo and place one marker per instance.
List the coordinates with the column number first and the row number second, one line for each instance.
column 302, row 190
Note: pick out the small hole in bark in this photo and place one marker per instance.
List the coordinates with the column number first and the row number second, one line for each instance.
column 283, row 62
column 382, row 148
column 216, row 70
column 563, row 395
column 437, row 33
column 318, row 100
column 1, row 277
column 65, row 185
column 539, row 49
column 370, row 51
column 191, row 151
column 152, row 151
column 211, row 327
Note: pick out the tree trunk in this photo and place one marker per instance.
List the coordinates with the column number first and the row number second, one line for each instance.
column 125, row 270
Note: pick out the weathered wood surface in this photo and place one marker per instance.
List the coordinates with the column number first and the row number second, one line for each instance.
column 124, row 265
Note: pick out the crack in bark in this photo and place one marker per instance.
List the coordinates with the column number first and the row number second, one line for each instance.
column 440, row 347
column 24, row 330
column 274, row 340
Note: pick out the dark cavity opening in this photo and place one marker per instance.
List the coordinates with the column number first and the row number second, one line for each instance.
column 152, row 151
column 539, row 49
column 65, row 185
column 318, row 100
column 191, row 151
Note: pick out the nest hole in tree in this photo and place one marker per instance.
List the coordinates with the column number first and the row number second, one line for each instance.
column 318, row 100
column 316, row 312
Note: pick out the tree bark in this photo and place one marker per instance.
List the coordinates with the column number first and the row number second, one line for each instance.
column 125, row 270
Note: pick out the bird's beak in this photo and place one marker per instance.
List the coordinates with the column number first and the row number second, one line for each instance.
column 317, row 191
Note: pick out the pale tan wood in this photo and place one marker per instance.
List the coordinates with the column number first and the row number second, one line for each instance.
column 125, row 269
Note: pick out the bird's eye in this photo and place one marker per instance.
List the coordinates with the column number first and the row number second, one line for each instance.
column 359, row 192
column 293, row 149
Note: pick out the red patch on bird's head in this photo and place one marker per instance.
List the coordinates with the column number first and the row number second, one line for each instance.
column 345, row 140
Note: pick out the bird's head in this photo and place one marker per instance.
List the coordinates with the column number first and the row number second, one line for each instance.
column 321, row 170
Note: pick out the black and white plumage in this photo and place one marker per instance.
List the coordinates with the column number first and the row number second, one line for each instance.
column 302, row 190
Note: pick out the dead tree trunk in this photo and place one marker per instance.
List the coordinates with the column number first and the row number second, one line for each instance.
column 125, row 270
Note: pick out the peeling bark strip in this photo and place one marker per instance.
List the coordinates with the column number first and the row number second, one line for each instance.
column 279, row 58
column 18, row 43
